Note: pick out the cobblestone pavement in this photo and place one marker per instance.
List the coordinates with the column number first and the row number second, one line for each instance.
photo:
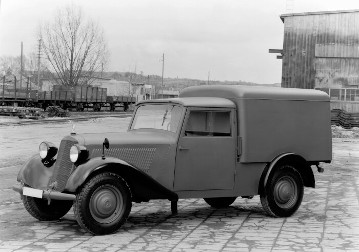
column 328, row 220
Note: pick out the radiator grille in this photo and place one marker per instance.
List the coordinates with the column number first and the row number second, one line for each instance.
column 63, row 166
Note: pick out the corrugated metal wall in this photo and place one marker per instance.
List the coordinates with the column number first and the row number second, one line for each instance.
column 321, row 50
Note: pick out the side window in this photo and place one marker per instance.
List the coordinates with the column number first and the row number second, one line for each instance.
column 208, row 123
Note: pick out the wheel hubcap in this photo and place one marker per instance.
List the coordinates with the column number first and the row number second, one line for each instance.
column 285, row 192
column 106, row 204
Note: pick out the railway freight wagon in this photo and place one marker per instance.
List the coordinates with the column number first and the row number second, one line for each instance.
column 9, row 95
column 78, row 97
column 118, row 93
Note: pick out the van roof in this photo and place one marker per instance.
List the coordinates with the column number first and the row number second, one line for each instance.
column 257, row 92
column 211, row 102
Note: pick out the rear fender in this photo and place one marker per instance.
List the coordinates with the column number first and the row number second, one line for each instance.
column 142, row 186
column 297, row 161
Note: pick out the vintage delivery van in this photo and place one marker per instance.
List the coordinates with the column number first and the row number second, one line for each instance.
column 213, row 142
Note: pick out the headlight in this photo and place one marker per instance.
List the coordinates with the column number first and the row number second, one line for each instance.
column 74, row 154
column 43, row 149
column 78, row 153
column 47, row 150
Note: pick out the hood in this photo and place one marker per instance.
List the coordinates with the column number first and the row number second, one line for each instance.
column 141, row 148
column 135, row 137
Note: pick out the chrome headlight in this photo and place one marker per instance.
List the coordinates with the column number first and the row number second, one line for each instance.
column 78, row 153
column 47, row 150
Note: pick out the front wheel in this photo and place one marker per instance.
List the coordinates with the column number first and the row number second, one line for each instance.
column 283, row 192
column 103, row 204
column 220, row 202
column 41, row 210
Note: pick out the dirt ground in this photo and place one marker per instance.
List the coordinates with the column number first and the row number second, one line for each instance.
column 19, row 142
column 328, row 219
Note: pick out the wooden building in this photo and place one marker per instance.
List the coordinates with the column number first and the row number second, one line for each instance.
column 321, row 50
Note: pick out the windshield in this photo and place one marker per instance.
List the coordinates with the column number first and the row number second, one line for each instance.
column 157, row 116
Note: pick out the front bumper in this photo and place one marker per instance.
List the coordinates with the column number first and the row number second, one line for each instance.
column 44, row 194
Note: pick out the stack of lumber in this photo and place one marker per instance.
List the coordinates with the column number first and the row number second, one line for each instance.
column 345, row 119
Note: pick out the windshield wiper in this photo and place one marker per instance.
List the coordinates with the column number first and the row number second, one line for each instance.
column 164, row 117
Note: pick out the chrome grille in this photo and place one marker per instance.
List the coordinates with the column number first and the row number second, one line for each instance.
column 63, row 166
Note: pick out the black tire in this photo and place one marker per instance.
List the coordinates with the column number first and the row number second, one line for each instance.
column 103, row 204
column 283, row 193
column 220, row 202
column 40, row 209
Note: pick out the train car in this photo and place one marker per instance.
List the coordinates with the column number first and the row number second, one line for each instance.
column 11, row 96
column 78, row 98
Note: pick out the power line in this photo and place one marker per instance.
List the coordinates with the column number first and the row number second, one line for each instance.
column 289, row 6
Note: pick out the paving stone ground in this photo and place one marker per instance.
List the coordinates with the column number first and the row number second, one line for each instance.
column 328, row 219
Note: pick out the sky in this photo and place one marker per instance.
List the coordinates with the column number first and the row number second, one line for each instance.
column 219, row 39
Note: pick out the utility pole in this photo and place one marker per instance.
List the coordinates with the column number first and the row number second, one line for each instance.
column 163, row 68
column 3, row 88
column 101, row 70
column 129, row 86
column 21, row 64
column 29, row 83
column 38, row 64
column 27, row 88
column 15, row 88
column 208, row 77
column 148, row 85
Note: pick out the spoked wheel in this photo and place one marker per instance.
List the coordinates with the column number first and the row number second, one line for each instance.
column 103, row 204
column 283, row 193
column 41, row 210
column 220, row 202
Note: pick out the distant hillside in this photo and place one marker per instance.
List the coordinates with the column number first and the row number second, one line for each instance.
column 174, row 83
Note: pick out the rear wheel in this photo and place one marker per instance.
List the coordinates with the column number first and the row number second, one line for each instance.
column 283, row 192
column 41, row 210
column 103, row 204
column 220, row 202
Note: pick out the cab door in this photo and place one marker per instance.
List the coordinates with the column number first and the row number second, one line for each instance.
column 206, row 151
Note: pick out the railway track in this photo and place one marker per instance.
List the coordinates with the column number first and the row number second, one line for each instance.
column 75, row 116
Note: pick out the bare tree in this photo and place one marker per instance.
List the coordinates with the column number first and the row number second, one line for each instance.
column 10, row 65
column 74, row 47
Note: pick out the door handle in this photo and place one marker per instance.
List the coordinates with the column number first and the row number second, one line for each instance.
column 182, row 148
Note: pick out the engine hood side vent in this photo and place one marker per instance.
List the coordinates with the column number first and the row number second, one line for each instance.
column 139, row 157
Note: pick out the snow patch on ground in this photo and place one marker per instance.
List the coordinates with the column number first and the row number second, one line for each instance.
column 340, row 132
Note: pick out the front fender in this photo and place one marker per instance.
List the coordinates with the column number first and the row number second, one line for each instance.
column 82, row 172
column 35, row 174
column 142, row 186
